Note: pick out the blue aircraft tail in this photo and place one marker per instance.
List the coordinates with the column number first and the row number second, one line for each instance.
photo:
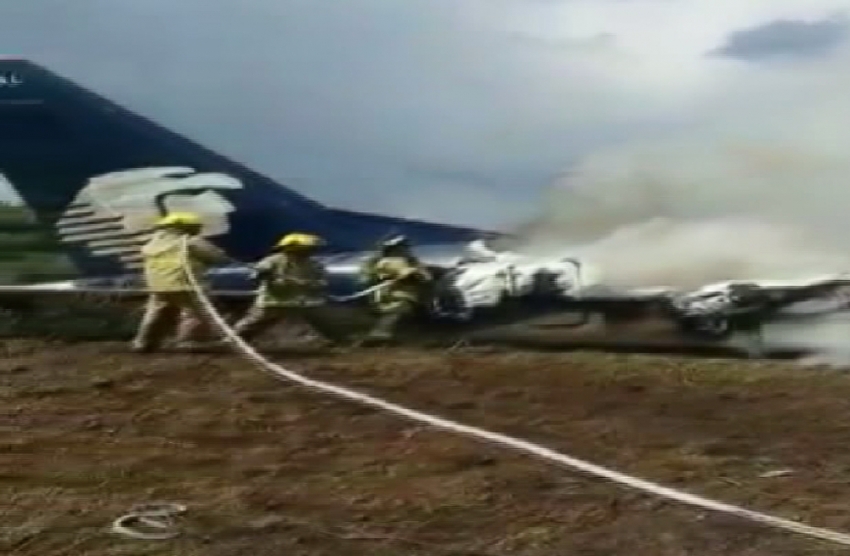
column 99, row 175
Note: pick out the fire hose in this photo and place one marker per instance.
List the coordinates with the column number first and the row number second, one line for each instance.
column 159, row 516
column 250, row 354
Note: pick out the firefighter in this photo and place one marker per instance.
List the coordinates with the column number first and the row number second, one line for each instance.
column 407, row 284
column 171, row 301
column 292, row 283
column 398, row 245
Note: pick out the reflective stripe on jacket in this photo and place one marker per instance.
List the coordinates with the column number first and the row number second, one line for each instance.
column 290, row 281
column 407, row 276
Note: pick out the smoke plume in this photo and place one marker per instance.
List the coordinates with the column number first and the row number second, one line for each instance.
column 758, row 189
column 688, row 216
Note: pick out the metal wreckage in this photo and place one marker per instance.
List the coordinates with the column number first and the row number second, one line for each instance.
column 481, row 296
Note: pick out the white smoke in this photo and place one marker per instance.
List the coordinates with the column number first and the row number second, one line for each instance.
column 760, row 189
column 702, row 215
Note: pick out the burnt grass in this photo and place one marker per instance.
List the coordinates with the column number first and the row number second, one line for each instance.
column 268, row 468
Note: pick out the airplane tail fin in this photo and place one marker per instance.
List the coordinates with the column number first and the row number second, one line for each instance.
column 98, row 176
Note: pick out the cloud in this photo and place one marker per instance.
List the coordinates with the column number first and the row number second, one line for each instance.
column 432, row 108
column 785, row 38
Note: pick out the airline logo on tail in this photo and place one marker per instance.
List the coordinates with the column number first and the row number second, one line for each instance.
column 114, row 214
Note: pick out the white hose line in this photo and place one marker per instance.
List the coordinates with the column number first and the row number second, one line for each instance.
column 343, row 298
column 154, row 516
column 360, row 294
column 503, row 440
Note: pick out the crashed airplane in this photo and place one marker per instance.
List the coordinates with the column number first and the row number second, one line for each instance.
column 99, row 175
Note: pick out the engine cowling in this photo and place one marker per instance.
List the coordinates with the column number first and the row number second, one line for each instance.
column 717, row 314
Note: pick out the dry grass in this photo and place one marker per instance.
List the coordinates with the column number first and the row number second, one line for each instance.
column 266, row 468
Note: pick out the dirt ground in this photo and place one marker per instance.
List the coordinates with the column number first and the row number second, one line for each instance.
column 267, row 468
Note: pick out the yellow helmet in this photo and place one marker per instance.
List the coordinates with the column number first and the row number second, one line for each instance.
column 179, row 219
column 300, row 240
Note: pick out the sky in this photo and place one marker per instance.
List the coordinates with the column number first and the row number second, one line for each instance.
column 471, row 111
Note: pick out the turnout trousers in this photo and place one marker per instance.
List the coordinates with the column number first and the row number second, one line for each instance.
column 391, row 315
column 167, row 311
column 261, row 318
